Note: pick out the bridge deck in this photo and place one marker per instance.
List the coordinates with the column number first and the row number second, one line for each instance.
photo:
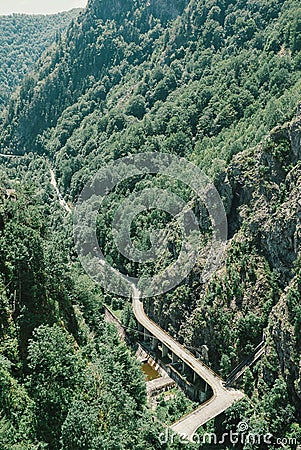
column 222, row 397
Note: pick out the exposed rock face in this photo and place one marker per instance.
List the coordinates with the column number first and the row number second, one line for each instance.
column 284, row 340
column 266, row 188
column 167, row 9
column 262, row 191
column 294, row 132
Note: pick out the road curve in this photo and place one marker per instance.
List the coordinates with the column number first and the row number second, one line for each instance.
column 222, row 397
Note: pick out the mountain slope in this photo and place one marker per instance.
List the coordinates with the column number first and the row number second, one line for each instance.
column 209, row 81
column 23, row 39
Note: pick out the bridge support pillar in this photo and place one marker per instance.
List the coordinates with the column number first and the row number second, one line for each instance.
column 175, row 358
column 154, row 343
column 164, row 351
column 183, row 367
column 145, row 335
column 140, row 327
column 203, row 396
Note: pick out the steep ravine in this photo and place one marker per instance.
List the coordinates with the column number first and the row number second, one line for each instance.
column 249, row 294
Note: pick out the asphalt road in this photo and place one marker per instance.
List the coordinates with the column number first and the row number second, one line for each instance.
column 222, row 397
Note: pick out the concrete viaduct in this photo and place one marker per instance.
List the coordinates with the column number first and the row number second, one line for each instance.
column 205, row 382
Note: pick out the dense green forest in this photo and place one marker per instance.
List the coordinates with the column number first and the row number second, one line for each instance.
column 23, row 39
column 217, row 82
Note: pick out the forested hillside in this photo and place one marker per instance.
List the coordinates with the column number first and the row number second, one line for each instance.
column 66, row 380
column 23, row 39
column 217, row 82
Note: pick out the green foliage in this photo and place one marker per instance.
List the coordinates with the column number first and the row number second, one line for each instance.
column 279, row 412
column 205, row 82
column 273, row 416
column 232, row 297
column 129, row 321
column 23, row 39
column 249, row 332
column 172, row 405
column 62, row 367
column 225, row 366
column 17, row 418
column 137, row 107
column 55, row 371
column 294, row 307
column 248, row 382
column 81, row 428
column 223, row 83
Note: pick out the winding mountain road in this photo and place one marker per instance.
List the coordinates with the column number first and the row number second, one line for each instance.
column 222, row 397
